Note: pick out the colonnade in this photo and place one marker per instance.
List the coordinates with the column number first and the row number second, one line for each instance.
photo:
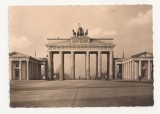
column 32, row 68
column 35, row 70
column 87, row 65
column 132, row 69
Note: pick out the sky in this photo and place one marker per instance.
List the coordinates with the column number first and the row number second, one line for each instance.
column 129, row 25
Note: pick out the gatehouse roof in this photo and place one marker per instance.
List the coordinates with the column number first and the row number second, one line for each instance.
column 18, row 54
column 143, row 54
column 139, row 55
column 81, row 41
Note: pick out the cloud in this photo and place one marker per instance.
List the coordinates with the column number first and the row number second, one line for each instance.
column 99, row 32
column 142, row 18
column 19, row 43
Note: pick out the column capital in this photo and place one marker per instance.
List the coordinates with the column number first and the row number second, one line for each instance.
column 111, row 51
column 72, row 52
column 88, row 52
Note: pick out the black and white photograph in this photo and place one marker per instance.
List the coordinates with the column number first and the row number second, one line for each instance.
column 81, row 56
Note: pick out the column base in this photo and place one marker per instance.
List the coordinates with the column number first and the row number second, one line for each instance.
column 61, row 78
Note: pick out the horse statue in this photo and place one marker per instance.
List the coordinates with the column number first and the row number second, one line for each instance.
column 80, row 32
column 74, row 33
column 86, row 33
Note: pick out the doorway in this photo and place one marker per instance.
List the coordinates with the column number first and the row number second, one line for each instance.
column 144, row 73
column 16, row 74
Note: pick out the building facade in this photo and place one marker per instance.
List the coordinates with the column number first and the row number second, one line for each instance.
column 25, row 67
column 132, row 67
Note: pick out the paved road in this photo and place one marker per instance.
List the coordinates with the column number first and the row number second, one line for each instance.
column 80, row 93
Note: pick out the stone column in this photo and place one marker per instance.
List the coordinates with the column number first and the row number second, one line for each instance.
column 33, row 70
column 99, row 64
column 10, row 66
column 50, row 63
column 35, row 67
column 39, row 71
column 45, row 69
column 135, row 70
column 96, row 65
column 130, row 67
column 123, row 74
column 72, row 65
column 127, row 70
column 124, row 70
column 132, row 70
column 110, row 65
column 27, row 62
column 88, row 65
column 37, row 76
column 61, row 65
column 40, row 74
column 30, row 70
column 149, row 69
column 20, row 70
column 115, row 70
column 139, row 74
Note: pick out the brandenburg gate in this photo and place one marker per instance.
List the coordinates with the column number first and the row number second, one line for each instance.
column 80, row 43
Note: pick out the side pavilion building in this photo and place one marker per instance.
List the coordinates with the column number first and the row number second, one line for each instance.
column 132, row 67
column 25, row 67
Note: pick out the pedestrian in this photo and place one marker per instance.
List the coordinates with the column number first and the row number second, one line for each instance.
column 140, row 78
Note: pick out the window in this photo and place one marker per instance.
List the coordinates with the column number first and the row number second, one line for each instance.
column 143, row 64
column 17, row 64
